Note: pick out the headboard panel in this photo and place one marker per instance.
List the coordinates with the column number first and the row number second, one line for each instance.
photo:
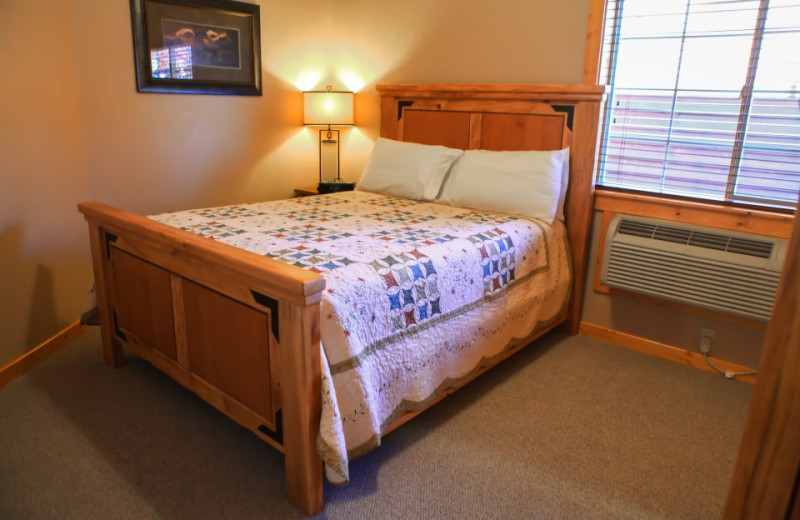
column 446, row 128
column 511, row 117
column 524, row 131
column 484, row 130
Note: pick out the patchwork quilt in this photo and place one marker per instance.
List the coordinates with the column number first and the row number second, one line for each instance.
column 419, row 296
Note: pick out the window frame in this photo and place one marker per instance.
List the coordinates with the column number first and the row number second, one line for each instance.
column 593, row 68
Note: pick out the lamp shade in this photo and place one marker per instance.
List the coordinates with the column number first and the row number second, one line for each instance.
column 328, row 108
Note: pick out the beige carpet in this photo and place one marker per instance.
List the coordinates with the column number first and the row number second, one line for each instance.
column 569, row 428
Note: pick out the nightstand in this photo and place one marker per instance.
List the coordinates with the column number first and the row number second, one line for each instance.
column 326, row 187
column 305, row 192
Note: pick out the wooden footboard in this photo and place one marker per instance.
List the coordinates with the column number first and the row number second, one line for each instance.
column 238, row 329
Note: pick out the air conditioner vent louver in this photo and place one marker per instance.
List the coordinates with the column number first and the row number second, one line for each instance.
column 723, row 271
column 680, row 235
column 750, row 247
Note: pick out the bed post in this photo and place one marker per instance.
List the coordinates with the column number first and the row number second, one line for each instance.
column 112, row 348
column 580, row 200
column 299, row 355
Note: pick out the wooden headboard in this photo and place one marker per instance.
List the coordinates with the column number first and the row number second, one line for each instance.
column 511, row 117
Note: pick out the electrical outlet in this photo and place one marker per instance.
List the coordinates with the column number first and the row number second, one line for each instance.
column 706, row 339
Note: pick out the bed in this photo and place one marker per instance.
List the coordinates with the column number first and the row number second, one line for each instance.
column 233, row 305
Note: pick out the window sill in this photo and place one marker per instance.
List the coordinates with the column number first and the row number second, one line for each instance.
column 762, row 222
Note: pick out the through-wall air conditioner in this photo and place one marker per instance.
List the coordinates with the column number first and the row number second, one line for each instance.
column 724, row 271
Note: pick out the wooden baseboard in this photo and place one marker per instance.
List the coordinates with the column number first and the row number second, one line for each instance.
column 662, row 350
column 39, row 353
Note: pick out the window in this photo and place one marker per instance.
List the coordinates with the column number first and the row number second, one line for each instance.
column 704, row 99
column 171, row 62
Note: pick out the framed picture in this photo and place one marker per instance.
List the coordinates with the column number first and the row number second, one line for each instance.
column 197, row 46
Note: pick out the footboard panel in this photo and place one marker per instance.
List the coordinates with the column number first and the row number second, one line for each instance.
column 238, row 329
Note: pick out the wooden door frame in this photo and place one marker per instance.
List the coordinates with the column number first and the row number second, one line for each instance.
column 765, row 478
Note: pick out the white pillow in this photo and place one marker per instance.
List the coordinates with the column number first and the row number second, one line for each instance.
column 527, row 183
column 410, row 170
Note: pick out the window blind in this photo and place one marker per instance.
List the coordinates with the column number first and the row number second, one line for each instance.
column 704, row 99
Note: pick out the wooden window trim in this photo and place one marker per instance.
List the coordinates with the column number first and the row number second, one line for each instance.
column 594, row 42
column 732, row 218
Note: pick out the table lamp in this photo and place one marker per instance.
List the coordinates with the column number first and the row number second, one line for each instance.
column 329, row 108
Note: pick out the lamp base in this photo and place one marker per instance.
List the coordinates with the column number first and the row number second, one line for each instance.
column 335, row 186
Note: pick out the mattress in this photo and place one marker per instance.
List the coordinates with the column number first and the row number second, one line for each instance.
column 419, row 296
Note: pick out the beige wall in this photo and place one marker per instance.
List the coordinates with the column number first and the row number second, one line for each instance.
column 44, row 268
column 74, row 127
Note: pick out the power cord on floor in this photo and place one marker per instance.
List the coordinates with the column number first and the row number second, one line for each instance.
column 727, row 373
column 705, row 348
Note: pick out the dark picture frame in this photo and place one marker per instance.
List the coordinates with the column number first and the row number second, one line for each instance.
column 197, row 46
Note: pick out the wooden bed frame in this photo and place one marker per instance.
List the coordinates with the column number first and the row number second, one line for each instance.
column 242, row 331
